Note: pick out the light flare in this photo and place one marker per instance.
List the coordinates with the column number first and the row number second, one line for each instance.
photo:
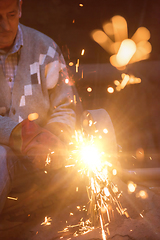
column 91, row 156
column 123, row 50
column 47, row 221
column 131, row 187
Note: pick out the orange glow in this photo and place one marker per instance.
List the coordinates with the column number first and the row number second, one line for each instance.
column 115, row 189
column 133, row 80
column 142, row 34
column 144, row 48
column 82, row 52
column 71, row 64
column 77, row 65
column 89, row 89
column 81, row 5
column 73, row 21
column 140, row 154
column 126, row 80
column 103, row 209
column 108, row 28
column 47, row 221
column 126, row 52
column 99, row 36
column 90, row 123
column 85, row 123
column 110, row 89
column 114, row 172
column 113, row 61
column 103, row 40
column 120, row 28
column 116, row 82
column 123, row 50
column 105, row 130
column 131, row 187
column 82, row 74
column 75, row 100
column 33, row 116
column 13, row 198
column 66, row 80
column 143, row 194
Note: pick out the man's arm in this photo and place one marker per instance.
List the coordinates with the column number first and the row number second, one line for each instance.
column 62, row 115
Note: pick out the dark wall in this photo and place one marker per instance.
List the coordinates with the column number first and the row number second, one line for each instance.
column 55, row 18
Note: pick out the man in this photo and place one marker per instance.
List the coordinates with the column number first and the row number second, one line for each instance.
column 32, row 83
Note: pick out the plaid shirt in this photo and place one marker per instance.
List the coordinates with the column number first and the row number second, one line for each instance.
column 9, row 61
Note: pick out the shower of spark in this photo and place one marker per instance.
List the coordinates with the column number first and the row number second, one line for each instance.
column 103, row 194
column 47, row 221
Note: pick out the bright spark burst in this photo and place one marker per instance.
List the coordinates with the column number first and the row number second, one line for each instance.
column 47, row 221
column 90, row 156
column 102, row 192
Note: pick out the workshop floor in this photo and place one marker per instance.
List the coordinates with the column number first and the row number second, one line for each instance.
column 57, row 221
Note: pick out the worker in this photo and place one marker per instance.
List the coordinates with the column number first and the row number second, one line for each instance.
column 37, row 116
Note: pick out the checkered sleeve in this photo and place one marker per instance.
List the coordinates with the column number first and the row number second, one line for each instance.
column 60, row 94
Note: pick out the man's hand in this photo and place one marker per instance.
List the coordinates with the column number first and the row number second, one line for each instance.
column 29, row 139
column 3, row 111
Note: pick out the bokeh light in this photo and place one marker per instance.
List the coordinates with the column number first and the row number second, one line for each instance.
column 120, row 28
column 126, row 52
column 71, row 64
column 131, row 187
column 110, row 90
column 66, row 80
column 33, row 116
column 105, row 130
column 89, row 89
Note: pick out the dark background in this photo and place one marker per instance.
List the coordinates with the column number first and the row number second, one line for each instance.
column 55, row 18
column 134, row 110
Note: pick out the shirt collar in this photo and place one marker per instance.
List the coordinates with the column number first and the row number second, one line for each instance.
column 18, row 43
